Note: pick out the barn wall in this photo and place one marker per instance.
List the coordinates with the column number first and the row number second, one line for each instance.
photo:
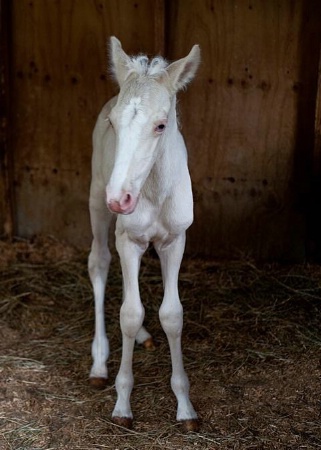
column 59, row 71
column 314, row 215
column 6, row 198
column 248, row 118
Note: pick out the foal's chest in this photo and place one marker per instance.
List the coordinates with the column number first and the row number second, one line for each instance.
column 150, row 223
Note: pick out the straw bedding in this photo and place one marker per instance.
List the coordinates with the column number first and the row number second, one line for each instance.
column 252, row 348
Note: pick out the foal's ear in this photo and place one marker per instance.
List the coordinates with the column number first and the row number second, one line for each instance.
column 119, row 60
column 181, row 72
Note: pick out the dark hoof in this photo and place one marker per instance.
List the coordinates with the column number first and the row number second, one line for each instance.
column 149, row 345
column 125, row 422
column 98, row 382
column 191, row 425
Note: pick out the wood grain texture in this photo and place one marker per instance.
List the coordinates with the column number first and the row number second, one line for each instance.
column 6, row 178
column 248, row 117
column 248, row 121
column 314, row 214
column 59, row 58
column 317, row 127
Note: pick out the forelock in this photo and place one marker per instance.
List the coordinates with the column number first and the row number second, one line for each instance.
column 142, row 65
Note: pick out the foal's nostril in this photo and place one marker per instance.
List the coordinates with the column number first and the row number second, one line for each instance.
column 125, row 205
column 126, row 200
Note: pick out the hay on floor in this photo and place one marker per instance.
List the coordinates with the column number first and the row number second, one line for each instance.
column 252, row 346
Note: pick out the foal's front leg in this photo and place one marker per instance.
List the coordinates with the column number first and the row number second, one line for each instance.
column 131, row 320
column 171, row 317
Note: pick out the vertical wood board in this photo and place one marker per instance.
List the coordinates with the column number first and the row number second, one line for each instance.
column 248, row 121
column 248, row 117
column 6, row 182
column 59, row 59
column 314, row 216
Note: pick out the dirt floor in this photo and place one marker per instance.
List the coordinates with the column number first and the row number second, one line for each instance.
column 252, row 346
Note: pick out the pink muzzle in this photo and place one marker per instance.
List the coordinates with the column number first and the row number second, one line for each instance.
column 125, row 205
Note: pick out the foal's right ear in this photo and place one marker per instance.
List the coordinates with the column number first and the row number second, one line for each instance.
column 119, row 60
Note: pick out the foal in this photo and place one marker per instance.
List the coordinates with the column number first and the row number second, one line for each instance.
column 140, row 173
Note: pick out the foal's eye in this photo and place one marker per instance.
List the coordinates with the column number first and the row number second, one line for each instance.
column 160, row 128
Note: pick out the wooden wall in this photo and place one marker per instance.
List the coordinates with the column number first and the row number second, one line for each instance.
column 58, row 85
column 248, row 118
column 6, row 188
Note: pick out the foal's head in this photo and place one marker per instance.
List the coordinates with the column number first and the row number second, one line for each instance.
column 140, row 118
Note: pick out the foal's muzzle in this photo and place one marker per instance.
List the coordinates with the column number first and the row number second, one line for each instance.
column 125, row 205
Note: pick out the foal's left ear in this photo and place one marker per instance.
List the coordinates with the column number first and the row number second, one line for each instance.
column 181, row 72
column 119, row 60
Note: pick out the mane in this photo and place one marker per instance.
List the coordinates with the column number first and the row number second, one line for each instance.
column 142, row 65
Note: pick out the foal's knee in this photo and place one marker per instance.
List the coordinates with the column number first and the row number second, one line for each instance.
column 98, row 260
column 131, row 318
column 171, row 318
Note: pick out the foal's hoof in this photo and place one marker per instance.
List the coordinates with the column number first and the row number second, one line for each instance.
column 191, row 425
column 125, row 422
column 149, row 344
column 98, row 382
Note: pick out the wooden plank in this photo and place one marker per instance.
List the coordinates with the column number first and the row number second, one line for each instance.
column 6, row 180
column 317, row 128
column 314, row 216
column 59, row 84
column 247, row 118
column 248, row 121
column 159, row 27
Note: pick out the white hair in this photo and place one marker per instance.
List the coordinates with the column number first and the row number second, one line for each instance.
column 142, row 65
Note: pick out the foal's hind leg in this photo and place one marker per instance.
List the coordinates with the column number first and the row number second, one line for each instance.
column 145, row 339
column 98, row 266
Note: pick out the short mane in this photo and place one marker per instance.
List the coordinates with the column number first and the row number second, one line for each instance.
column 142, row 65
